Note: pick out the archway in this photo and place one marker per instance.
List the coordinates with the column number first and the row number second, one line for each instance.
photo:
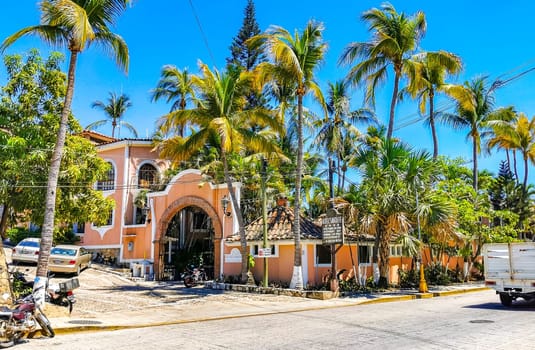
column 189, row 233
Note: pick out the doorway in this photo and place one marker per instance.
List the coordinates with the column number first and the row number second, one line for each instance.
column 189, row 240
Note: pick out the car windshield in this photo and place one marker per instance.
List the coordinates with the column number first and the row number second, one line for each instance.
column 29, row 244
column 63, row 251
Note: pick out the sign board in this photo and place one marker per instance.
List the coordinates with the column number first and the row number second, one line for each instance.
column 264, row 252
column 333, row 229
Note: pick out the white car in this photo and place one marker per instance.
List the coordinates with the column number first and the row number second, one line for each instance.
column 26, row 251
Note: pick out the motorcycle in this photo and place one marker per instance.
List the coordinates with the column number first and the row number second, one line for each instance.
column 61, row 293
column 22, row 320
column 193, row 276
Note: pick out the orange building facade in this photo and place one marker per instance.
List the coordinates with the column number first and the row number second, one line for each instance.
column 160, row 226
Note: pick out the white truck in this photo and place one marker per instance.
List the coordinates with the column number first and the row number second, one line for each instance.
column 510, row 270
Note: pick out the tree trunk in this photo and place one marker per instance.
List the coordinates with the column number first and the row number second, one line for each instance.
column 297, row 276
column 393, row 104
column 384, row 259
column 514, row 166
column 525, row 184
column 239, row 216
column 474, row 169
column 47, row 234
column 432, row 124
column 3, row 221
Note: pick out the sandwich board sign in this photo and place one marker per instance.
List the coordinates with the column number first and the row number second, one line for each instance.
column 333, row 228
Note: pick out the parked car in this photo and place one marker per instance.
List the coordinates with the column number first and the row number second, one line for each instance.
column 26, row 251
column 68, row 259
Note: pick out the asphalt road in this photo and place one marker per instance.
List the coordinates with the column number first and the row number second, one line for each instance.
column 466, row 321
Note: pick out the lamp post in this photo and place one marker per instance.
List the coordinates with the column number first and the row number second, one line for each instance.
column 224, row 203
column 423, row 284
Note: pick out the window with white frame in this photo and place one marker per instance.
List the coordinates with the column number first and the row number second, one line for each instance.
column 365, row 254
column 323, row 254
column 396, row 250
column 108, row 183
column 109, row 220
column 256, row 247
column 147, row 176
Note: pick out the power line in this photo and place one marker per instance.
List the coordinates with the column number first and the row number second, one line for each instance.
column 205, row 39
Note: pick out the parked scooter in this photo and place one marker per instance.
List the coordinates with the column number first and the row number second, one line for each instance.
column 61, row 293
column 17, row 323
column 193, row 276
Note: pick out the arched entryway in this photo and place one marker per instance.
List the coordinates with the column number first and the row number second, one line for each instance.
column 188, row 233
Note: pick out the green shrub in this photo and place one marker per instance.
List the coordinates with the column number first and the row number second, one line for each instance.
column 17, row 234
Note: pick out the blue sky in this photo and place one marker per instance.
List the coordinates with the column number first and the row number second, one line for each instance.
column 493, row 38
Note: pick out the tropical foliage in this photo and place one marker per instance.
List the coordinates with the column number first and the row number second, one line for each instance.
column 267, row 105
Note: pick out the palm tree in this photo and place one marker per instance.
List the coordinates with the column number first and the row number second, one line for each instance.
column 294, row 61
column 395, row 37
column 474, row 111
column 114, row 109
column 175, row 86
column 73, row 24
column 393, row 176
column 222, row 122
column 426, row 78
column 338, row 134
column 517, row 135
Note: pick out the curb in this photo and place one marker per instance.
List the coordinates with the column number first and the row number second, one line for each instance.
column 378, row 300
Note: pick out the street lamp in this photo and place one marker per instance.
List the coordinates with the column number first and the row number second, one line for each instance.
column 225, row 204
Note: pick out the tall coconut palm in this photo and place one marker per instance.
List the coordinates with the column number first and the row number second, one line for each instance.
column 114, row 108
column 175, row 86
column 337, row 134
column 294, row 60
column 517, row 135
column 426, row 78
column 474, row 111
column 73, row 24
column 222, row 122
column 395, row 37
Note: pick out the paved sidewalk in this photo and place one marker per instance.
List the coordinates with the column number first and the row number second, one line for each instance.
column 146, row 304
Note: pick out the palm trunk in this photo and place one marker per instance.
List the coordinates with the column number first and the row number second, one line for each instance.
column 384, row 259
column 525, row 184
column 515, row 166
column 297, row 276
column 393, row 106
column 3, row 221
column 432, row 124
column 474, row 169
column 47, row 233
column 239, row 216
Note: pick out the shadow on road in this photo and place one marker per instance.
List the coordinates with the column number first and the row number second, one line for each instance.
column 518, row 305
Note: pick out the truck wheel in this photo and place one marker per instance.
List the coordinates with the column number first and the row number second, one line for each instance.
column 506, row 300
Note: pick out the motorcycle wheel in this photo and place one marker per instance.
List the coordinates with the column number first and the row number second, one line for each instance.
column 9, row 340
column 64, row 301
column 45, row 324
column 189, row 282
column 7, row 343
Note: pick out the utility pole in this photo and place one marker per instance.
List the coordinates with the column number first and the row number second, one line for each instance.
column 422, row 288
column 264, row 218
column 334, row 280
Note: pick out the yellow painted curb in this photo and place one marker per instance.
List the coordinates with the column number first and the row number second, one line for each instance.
column 388, row 299
column 459, row 291
column 382, row 299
